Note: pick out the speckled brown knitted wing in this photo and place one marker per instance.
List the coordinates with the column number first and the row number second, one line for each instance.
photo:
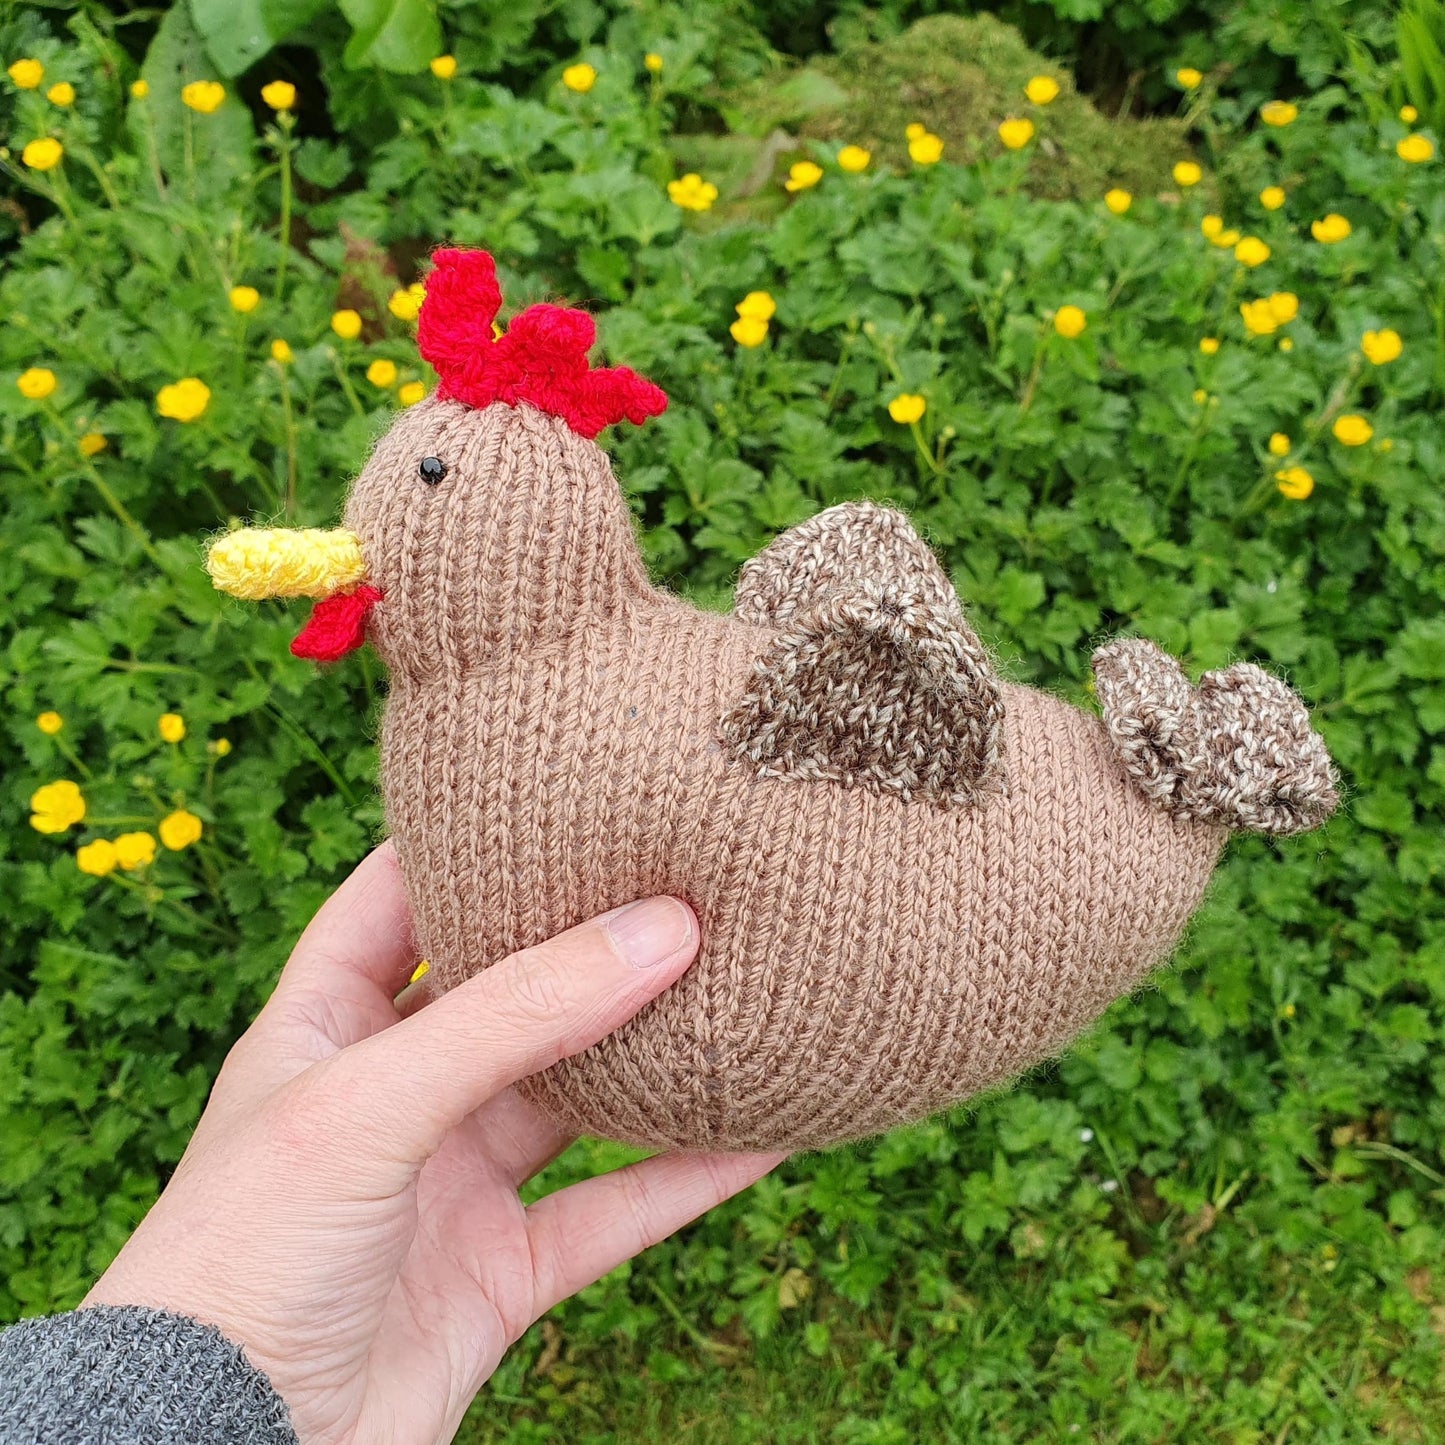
column 877, row 687
column 851, row 543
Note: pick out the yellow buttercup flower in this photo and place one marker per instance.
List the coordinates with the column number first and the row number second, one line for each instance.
column 1295, row 483
column 381, row 373
column 1188, row 77
column 1042, row 89
column 140, row 89
column 1118, row 201
column 1381, row 346
column 1415, row 148
column 692, row 193
column 184, row 400
column 172, row 727
column 222, row 747
column 916, row 129
column 580, row 78
column 92, row 444
column 444, row 66
column 418, row 289
column 43, row 154
column 281, row 351
column 203, row 96
column 1225, row 239
column 1209, row 345
column 179, row 830
column 1187, row 173
column 135, row 850
column 244, row 299
column 403, row 305
column 1211, row 226
column 757, row 306
column 62, row 93
column 56, row 807
column 925, row 149
column 50, row 723
column 37, row 383
column 1285, row 344
column 26, row 74
column 1278, row 113
column 97, row 858
column 749, row 331
column 1200, row 396
column 346, row 323
column 854, row 159
column 803, row 175
column 1329, row 229
column 411, row 393
column 1070, row 321
column 1272, row 197
column 1268, row 313
column 1352, row 430
column 1016, row 133
column 1251, row 252
column 652, row 63
column 1409, row 114
column 1279, row 444
column 279, row 95
column 907, row 408
column 1258, row 319
column 1283, row 306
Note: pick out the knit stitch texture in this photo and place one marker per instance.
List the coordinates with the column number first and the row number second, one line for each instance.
column 541, row 358
column 132, row 1376
column 912, row 885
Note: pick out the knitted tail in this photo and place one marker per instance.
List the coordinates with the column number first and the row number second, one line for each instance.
column 1237, row 750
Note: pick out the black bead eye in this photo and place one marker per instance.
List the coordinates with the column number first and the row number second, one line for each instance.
column 432, row 470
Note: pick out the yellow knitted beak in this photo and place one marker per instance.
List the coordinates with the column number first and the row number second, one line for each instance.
column 260, row 562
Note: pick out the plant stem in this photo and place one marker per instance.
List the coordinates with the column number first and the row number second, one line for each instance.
column 1041, row 351
column 284, row 231
column 345, row 381
column 153, row 154
column 289, row 421
column 112, row 199
column 139, row 533
column 190, row 154
column 923, row 451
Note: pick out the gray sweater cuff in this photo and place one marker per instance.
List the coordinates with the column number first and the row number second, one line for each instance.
column 130, row 1376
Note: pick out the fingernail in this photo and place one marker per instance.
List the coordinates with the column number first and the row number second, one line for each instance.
column 651, row 931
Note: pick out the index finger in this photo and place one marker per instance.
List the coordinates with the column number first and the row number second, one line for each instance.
column 397, row 1095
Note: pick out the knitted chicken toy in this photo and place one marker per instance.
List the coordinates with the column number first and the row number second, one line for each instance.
column 913, row 879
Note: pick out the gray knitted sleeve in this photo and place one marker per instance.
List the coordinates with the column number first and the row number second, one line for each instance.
column 131, row 1376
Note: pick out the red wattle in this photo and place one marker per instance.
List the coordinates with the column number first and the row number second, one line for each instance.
column 337, row 625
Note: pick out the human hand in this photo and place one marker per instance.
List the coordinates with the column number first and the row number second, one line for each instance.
column 347, row 1209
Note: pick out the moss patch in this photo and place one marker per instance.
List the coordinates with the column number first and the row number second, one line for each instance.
column 960, row 77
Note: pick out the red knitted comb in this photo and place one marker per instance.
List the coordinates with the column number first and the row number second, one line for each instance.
column 541, row 358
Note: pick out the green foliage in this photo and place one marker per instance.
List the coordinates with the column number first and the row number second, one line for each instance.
column 1220, row 1216
column 1421, row 35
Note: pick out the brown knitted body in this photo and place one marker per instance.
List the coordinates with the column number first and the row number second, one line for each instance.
column 865, row 961
column 552, row 749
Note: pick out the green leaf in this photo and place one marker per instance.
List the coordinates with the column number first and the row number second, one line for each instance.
column 219, row 154
column 397, row 35
column 237, row 33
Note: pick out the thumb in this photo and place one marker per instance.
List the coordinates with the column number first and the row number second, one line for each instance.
column 400, row 1092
